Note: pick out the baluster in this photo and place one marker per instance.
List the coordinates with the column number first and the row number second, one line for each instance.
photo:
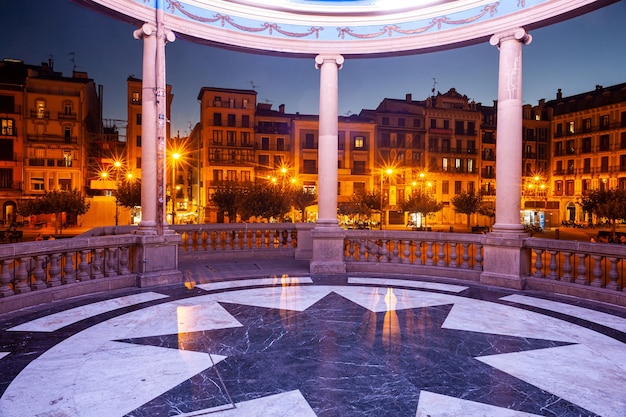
column 21, row 277
column 613, row 275
column 479, row 257
column 83, row 266
column 553, row 265
column 230, row 239
column 236, row 240
column 96, row 264
column 190, row 234
column 124, row 261
column 396, row 250
column 407, row 251
column 55, row 270
column 597, row 271
column 110, row 266
column 362, row 250
column 442, row 254
column 39, row 274
column 465, row 255
column 218, row 240
column 69, row 275
column 290, row 234
column 418, row 252
column 383, row 251
column 372, row 251
column 245, row 244
column 254, row 239
column 429, row 253
column 567, row 267
column 5, row 279
column 453, row 263
column 581, row 271
column 538, row 264
column 350, row 245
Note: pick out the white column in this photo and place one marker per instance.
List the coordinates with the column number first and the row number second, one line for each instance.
column 329, row 66
column 148, row 130
column 509, row 133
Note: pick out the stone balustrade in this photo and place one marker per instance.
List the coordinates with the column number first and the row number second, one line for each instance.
column 40, row 272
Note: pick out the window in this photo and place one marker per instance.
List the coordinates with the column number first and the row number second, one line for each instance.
column 279, row 161
column 558, row 187
column 359, row 142
column 471, row 146
column 358, row 188
column 622, row 142
column 231, row 120
column 217, row 119
column 457, row 187
column 604, row 122
column 471, row 128
column 604, row 164
column 385, row 121
column 471, row 187
column 6, row 149
column 67, row 108
column 245, row 176
column 458, row 164
column 569, row 146
column 280, row 144
column 570, row 166
column 245, row 120
column 217, row 102
column 401, row 121
column 6, row 178
column 231, row 175
column 445, row 164
column 265, row 143
column 559, row 167
column 446, row 124
column 586, row 144
column 264, row 160
column 231, row 136
column 245, row 139
column 571, row 128
column 67, row 157
column 65, row 184
column 309, row 141
column 8, row 127
column 138, row 141
column 244, row 103
column 445, row 187
column 138, row 119
column 471, row 165
column 135, row 98
column 569, row 187
column 458, row 127
column 622, row 162
column 604, row 143
column 40, row 105
column 67, row 134
column 231, row 102
column 385, row 140
column 417, row 123
column 138, row 166
column 587, row 166
column 217, row 137
column 587, row 125
column 433, row 123
column 7, row 104
column 36, row 182
column 310, row 166
column 586, row 186
column 358, row 168
column 218, row 175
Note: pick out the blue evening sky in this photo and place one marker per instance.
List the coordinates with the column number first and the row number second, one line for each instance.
column 574, row 55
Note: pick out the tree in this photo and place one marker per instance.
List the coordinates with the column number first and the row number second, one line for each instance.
column 609, row 204
column 467, row 203
column 421, row 202
column 263, row 201
column 128, row 194
column 56, row 202
column 300, row 199
column 228, row 199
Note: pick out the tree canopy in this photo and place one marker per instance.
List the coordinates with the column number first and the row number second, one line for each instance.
column 609, row 204
column 467, row 203
column 421, row 202
column 56, row 202
column 128, row 194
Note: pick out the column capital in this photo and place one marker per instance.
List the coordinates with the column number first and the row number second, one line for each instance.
column 518, row 34
column 148, row 29
column 337, row 59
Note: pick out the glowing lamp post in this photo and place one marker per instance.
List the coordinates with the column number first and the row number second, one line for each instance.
column 175, row 158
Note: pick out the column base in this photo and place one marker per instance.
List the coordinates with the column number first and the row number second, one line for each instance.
column 505, row 260
column 157, row 260
column 328, row 248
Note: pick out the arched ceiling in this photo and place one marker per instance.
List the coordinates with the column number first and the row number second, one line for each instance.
column 349, row 27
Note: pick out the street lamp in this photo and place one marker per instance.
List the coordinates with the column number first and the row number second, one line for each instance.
column 175, row 158
column 117, row 165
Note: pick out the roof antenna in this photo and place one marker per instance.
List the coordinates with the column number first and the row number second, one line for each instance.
column 434, row 84
column 253, row 85
column 73, row 60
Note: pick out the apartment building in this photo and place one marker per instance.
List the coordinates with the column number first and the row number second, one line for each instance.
column 588, row 146
column 47, row 119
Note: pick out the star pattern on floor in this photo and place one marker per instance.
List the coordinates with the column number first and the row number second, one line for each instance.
column 347, row 360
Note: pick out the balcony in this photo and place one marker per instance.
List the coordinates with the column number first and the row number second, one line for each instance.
column 66, row 116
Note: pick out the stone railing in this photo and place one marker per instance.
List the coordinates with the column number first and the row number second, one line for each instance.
column 584, row 269
column 64, row 268
column 455, row 255
column 243, row 240
column 35, row 273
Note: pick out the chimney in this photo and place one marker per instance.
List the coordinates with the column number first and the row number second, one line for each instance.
column 281, row 108
column 409, row 97
column 559, row 94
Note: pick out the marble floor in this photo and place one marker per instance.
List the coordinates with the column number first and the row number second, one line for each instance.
column 298, row 346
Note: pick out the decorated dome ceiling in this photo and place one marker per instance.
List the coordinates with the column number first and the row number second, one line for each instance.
column 348, row 27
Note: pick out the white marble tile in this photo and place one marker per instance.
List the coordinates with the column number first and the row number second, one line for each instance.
column 286, row 280
column 286, row 404
column 576, row 373
column 84, row 385
column 437, row 405
column 379, row 299
column 486, row 317
column 3, row 354
column 291, row 297
column 407, row 283
column 614, row 322
column 57, row 321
